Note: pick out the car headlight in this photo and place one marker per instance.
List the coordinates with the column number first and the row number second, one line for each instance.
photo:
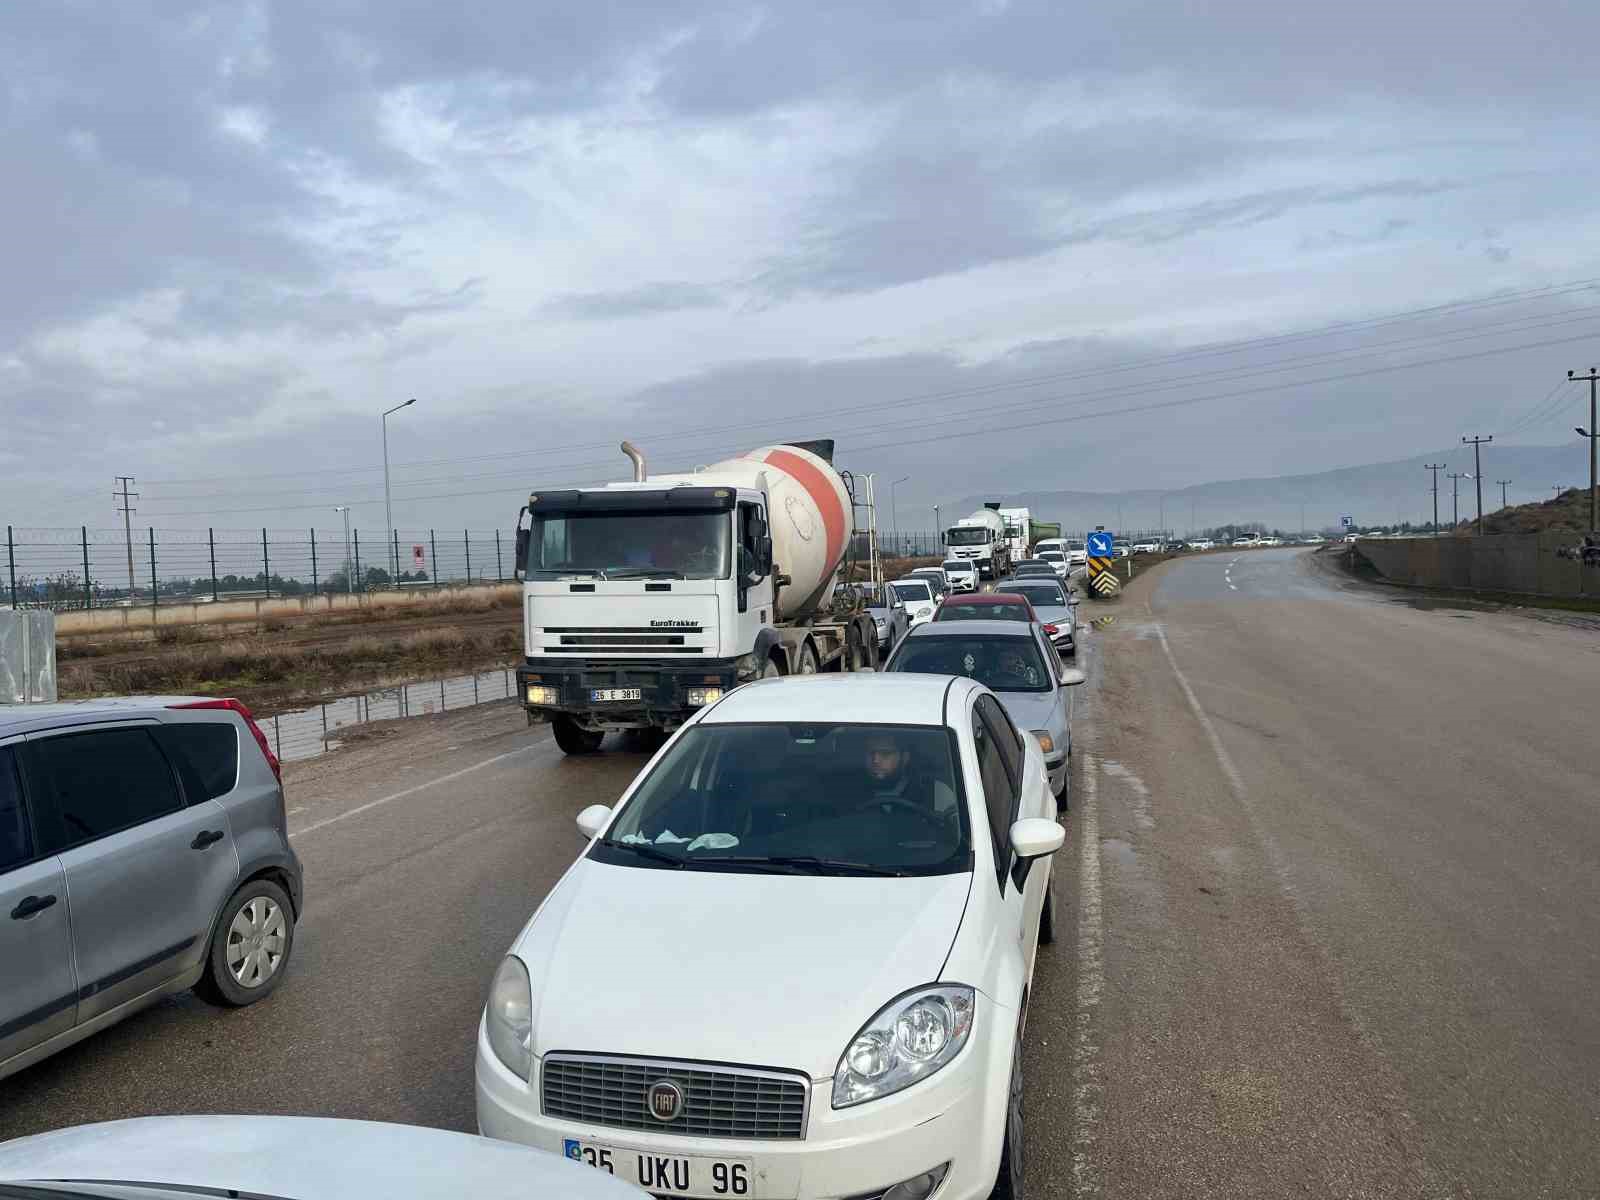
column 1046, row 742
column 508, row 1017
column 907, row 1041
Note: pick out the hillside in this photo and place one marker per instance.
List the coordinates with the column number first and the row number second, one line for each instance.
column 1568, row 513
column 1380, row 494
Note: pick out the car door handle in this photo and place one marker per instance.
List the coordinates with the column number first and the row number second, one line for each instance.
column 206, row 837
column 30, row 906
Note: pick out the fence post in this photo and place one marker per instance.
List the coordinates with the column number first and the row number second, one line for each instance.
column 153, row 586
column 499, row 563
column 466, row 540
column 313, row 562
column 211, row 541
column 395, row 578
column 266, row 566
column 433, row 545
column 11, row 562
column 357, row 568
column 88, row 588
column 441, row 695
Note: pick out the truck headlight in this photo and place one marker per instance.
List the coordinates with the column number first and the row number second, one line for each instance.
column 701, row 696
column 907, row 1041
column 508, row 1017
column 542, row 693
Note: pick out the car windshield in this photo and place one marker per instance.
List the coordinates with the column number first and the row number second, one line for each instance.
column 959, row 566
column 1050, row 556
column 970, row 535
column 1075, row 545
column 834, row 799
column 1001, row 663
column 620, row 545
column 1040, row 594
column 911, row 593
column 1043, row 568
column 956, row 610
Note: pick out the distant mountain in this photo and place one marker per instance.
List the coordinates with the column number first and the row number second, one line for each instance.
column 1375, row 494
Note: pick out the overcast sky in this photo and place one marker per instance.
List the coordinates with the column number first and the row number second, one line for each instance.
column 234, row 233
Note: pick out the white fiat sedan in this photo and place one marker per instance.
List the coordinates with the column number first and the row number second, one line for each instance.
column 794, row 960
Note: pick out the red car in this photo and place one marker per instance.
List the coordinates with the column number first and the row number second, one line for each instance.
column 992, row 606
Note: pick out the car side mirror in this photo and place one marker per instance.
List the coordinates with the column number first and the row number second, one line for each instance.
column 1072, row 676
column 1074, row 601
column 1035, row 837
column 592, row 820
column 764, row 555
column 520, row 554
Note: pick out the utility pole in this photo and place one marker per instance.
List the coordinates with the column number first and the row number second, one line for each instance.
column 388, row 505
column 1558, row 488
column 1593, row 434
column 1504, row 483
column 1435, row 468
column 127, row 521
column 1455, row 478
column 1477, row 471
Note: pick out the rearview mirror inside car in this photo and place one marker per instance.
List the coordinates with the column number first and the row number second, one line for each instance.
column 1072, row 677
column 593, row 819
column 1035, row 837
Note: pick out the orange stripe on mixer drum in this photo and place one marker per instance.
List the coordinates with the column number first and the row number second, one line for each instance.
column 820, row 489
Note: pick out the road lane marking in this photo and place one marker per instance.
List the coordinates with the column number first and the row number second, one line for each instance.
column 1087, row 1090
column 1222, row 756
column 412, row 791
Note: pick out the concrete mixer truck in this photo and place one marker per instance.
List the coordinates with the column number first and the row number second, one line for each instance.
column 648, row 599
column 981, row 538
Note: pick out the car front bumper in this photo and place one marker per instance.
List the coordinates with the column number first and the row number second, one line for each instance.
column 956, row 1116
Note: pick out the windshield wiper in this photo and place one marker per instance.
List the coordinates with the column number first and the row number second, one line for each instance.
column 644, row 573
column 643, row 850
column 798, row 863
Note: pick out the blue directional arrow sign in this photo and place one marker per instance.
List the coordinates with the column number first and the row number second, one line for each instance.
column 1100, row 544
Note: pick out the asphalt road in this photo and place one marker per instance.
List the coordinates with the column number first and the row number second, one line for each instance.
column 1333, row 929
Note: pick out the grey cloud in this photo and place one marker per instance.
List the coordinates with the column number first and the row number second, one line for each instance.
column 647, row 299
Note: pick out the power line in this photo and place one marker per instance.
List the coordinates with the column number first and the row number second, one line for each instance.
column 1207, row 350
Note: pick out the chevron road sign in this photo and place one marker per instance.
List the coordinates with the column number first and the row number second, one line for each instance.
column 1105, row 584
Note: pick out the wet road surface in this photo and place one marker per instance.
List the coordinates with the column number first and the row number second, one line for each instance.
column 1329, row 922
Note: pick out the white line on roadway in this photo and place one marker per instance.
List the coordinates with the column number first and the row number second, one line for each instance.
column 412, row 791
column 1086, row 1087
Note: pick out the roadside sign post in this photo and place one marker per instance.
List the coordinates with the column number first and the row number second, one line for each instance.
column 1101, row 546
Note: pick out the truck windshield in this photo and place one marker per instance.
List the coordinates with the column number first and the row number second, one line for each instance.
column 803, row 799
column 623, row 545
column 967, row 535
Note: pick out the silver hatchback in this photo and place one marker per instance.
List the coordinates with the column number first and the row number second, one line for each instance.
column 144, row 850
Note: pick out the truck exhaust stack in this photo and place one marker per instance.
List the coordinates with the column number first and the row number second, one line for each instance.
column 635, row 456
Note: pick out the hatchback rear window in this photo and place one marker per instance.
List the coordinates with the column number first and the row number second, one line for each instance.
column 206, row 755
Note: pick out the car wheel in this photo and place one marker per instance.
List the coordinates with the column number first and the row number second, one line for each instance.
column 249, row 950
column 1047, row 914
column 574, row 738
column 1008, row 1183
column 1064, row 796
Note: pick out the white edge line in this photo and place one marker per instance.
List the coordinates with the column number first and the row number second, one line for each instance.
column 1235, row 780
column 1087, row 1090
column 411, row 791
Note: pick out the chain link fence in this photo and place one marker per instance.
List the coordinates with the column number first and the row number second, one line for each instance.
column 66, row 569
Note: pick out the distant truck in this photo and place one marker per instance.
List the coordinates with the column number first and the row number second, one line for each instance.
column 646, row 600
column 981, row 537
column 1018, row 523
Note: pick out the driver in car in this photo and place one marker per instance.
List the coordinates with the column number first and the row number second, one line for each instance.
column 890, row 777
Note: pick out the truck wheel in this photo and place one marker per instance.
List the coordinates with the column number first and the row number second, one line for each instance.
column 771, row 670
column 808, row 659
column 574, row 738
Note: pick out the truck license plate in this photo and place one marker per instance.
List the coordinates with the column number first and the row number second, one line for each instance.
column 599, row 695
column 665, row 1174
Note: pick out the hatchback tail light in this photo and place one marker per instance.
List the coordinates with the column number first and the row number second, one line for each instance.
column 232, row 705
column 1051, row 630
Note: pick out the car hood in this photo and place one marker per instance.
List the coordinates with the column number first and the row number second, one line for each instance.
column 1032, row 710
column 767, row 970
column 307, row 1158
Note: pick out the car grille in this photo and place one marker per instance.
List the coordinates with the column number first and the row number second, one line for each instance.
column 730, row 1102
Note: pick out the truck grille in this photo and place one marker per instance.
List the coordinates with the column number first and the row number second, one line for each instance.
column 730, row 1102
column 681, row 639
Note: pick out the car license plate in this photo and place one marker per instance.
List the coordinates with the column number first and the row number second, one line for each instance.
column 665, row 1174
column 599, row 695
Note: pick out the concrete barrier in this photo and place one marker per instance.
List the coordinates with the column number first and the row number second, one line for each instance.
column 1525, row 563
column 105, row 620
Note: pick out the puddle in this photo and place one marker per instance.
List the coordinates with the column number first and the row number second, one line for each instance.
column 308, row 732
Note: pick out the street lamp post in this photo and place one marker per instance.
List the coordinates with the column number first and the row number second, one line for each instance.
column 388, row 506
column 938, row 532
column 894, row 507
column 1593, row 434
column 349, row 565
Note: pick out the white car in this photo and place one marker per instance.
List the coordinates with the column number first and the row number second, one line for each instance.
column 1058, row 562
column 1147, row 547
column 306, row 1158
column 1202, row 544
column 962, row 574
column 1077, row 553
column 794, row 959
column 918, row 597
